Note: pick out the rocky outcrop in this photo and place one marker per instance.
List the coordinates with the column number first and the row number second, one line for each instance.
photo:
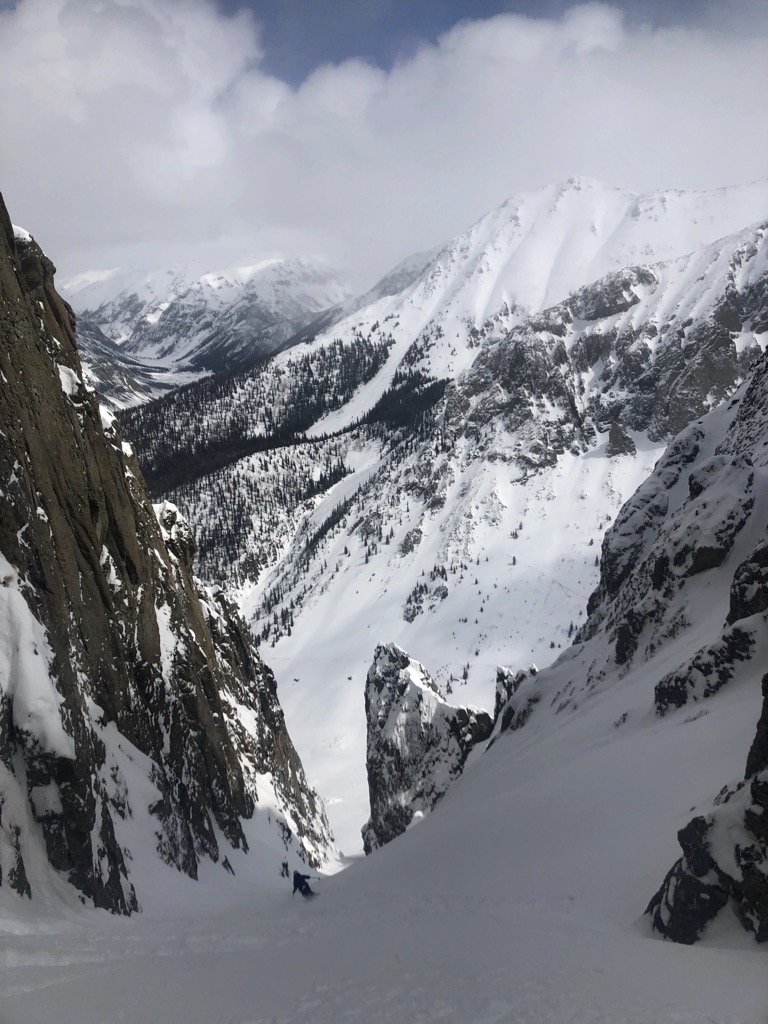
column 701, row 676
column 619, row 442
column 516, row 697
column 749, row 589
column 682, row 522
column 114, row 661
column 725, row 857
column 417, row 743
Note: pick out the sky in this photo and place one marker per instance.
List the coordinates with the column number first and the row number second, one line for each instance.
column 146, row 132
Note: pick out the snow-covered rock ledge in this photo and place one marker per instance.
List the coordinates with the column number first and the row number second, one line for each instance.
column 725, row 857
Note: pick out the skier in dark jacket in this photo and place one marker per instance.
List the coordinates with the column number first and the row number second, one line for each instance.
column 301, row 882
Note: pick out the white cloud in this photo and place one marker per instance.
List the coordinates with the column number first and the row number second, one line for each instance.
column 145, row 129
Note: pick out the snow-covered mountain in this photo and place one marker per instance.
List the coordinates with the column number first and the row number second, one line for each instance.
column 217, row 320
column 139, row 729
column 120, row 379
column 539, row 247
column 520, row 896
column 476, row 454
column 532, row 253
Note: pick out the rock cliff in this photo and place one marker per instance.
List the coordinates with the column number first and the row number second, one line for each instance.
column 417, row 743
column 696, row 522
column 725, row 849
column 115, row 662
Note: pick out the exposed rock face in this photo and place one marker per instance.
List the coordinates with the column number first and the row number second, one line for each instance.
column 417, row 743
column 706, row 672
column 749, row 590
column 684, row 520
column 619, row 442
column 725, row 851
column 757, row 759
column 725, row 857
column 112, row 656
column 514, row 701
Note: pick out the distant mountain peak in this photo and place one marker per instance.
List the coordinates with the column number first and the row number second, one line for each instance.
column 189, row 316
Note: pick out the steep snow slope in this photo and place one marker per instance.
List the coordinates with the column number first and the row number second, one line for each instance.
column 531, row 253
column 519, row 561
column 481, row 285
column 478, row 546
column 538, row 247
column 681, row 617
column 517, row 899
column 548, row 423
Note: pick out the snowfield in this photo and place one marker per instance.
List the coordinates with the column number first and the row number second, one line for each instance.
column 517, row 900
column 512, row 605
